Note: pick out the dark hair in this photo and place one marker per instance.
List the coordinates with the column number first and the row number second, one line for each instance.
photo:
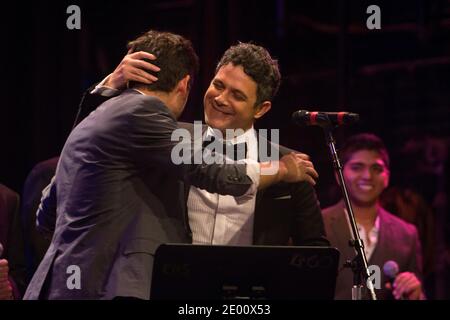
column 174, row 55
column 363, row 141
column 257, row 64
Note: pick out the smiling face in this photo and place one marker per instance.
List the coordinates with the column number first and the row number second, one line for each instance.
column 230, row 100
column 366, row 176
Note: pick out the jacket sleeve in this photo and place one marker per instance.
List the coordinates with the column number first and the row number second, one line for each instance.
column 46, row 213
column 90, row 100
column 308, row 228
column 152, row 145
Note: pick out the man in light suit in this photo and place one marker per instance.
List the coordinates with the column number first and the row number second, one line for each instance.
column 246, row 80
column 117, row 192
column 386, row 237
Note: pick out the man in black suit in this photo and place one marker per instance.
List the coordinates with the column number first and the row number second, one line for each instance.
column 246, row 80
column 117, row 192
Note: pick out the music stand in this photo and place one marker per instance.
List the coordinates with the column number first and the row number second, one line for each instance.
column 191, row 272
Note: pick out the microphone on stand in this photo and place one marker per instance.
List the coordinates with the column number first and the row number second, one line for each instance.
column 323, row 119
column 328, row 121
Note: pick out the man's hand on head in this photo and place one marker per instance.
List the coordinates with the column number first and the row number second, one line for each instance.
column 132, row 68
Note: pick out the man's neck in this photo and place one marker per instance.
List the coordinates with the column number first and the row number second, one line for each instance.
column 163, row 96
column 365, row 215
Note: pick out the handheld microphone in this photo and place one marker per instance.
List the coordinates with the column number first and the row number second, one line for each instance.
column 1, row 249
column 323, row 119
column 391, row 269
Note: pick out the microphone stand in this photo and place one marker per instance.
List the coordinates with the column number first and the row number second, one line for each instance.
column 359, row 264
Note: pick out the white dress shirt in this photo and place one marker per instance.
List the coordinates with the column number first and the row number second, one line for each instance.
column 224, row 220
column 370, row 239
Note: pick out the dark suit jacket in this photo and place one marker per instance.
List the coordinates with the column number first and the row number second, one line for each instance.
column 285, row 213
column 398, row 241
column 118, row 197
column 12, row 240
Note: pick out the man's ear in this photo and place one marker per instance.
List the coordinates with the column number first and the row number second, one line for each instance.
column 183, row 86
column 262, row 109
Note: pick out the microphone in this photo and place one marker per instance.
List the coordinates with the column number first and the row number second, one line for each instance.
column 391, row 269
column 1, row 249
column 323, row 119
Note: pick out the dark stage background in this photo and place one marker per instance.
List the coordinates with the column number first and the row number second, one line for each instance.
column 397, row 78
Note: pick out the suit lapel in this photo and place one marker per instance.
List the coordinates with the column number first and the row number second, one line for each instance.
column 259, row 210
column 385, row 250
column 379, row 256
column 341, row 229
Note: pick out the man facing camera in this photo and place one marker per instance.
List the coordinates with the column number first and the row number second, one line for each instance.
column 366, row 172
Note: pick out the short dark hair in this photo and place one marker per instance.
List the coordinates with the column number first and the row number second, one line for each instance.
column 363, row 141
column 174, row 55
column 257, row 64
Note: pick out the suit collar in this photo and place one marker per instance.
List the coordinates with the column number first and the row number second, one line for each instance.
column 341, row 227
column 385, row 233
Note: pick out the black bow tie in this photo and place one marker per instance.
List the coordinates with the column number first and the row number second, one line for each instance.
column 227, row 149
